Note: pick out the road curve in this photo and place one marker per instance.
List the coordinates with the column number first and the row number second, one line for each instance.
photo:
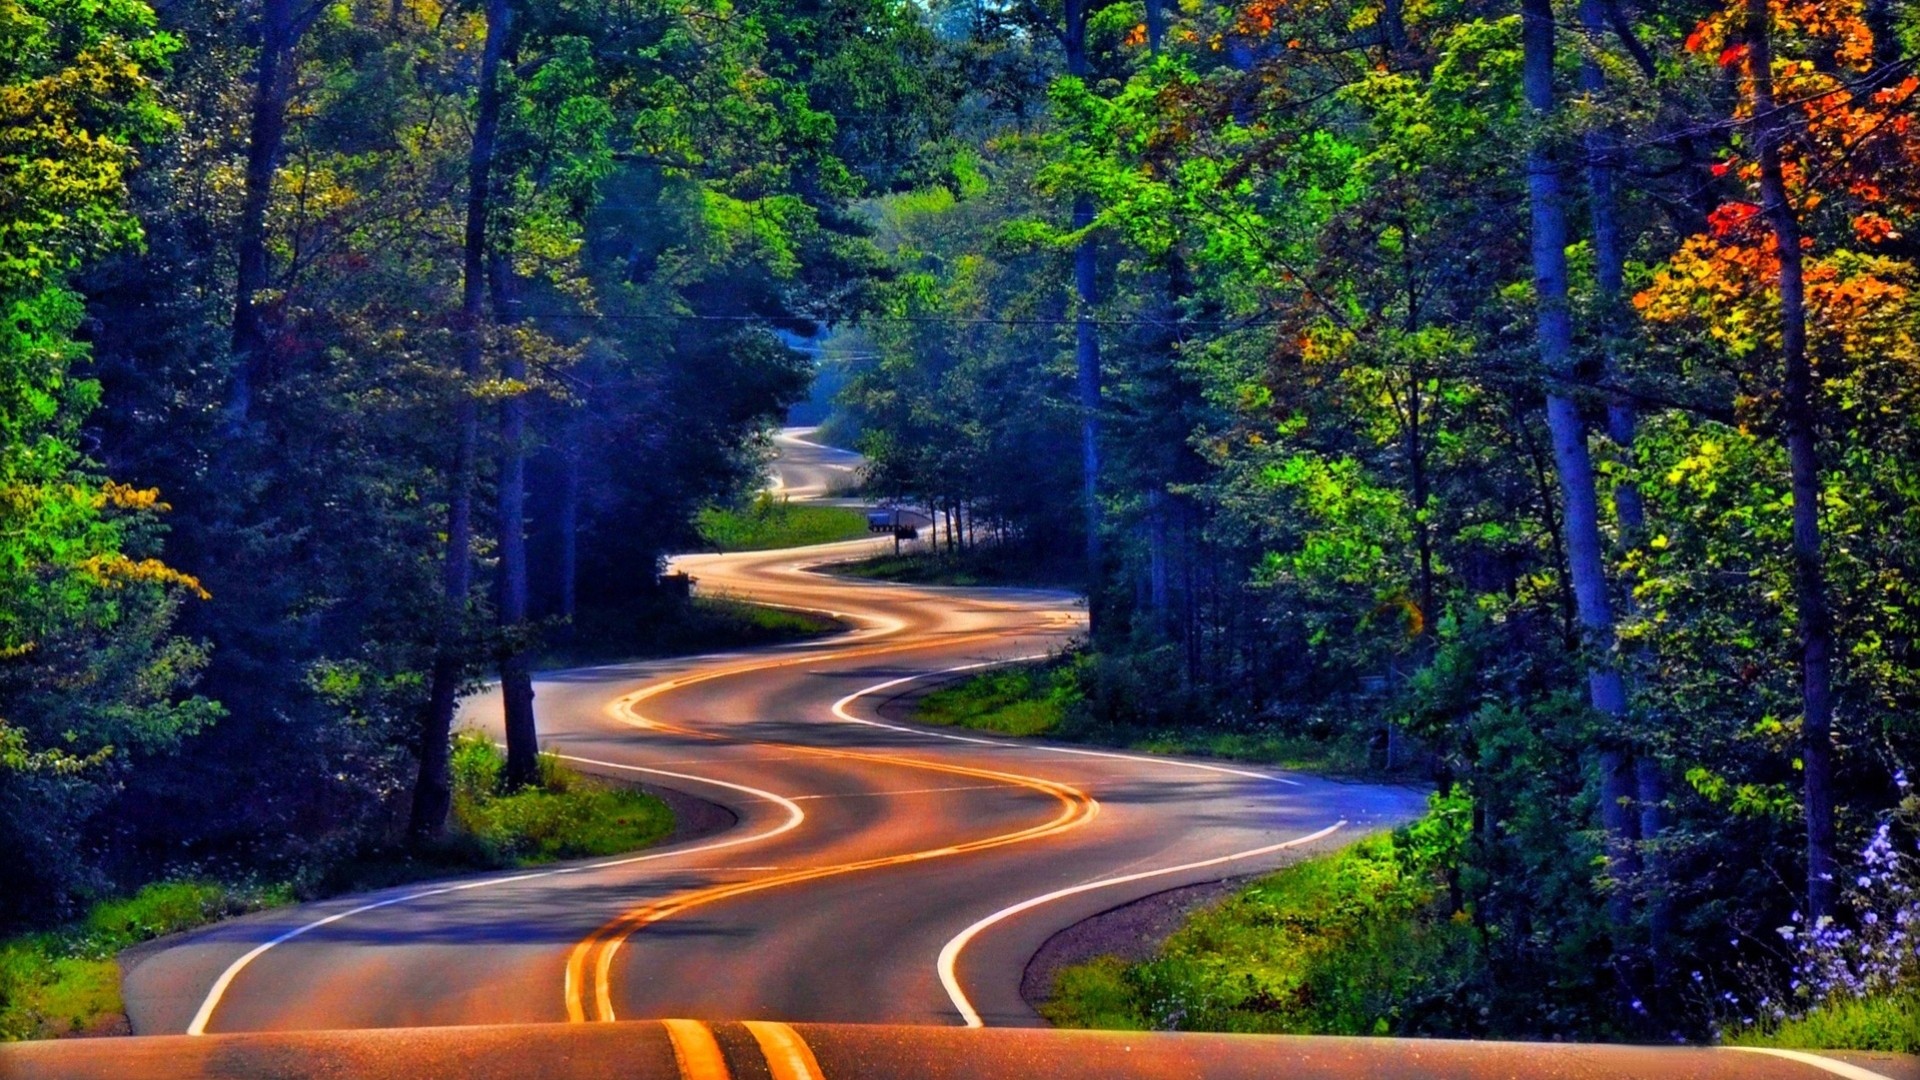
column 877, row 874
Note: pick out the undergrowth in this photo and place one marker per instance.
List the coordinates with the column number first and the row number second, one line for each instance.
column 1359, row 942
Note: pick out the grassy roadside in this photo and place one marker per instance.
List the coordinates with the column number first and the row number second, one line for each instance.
column 66, row 981
column 1889, row 1022
column 1080, row 698
column 1002, row 566
column 769, row 523
column 704, row 624
column 1358, row 942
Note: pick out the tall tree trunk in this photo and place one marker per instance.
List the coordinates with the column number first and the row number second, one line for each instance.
column 433, row 792
column 280, row 31
column 1086, row 339
column 1586, row 565
column 1799, row 420
column 516, row 680
column 1610, row 261
column 569, row 568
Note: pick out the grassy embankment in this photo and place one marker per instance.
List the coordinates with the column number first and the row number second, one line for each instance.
column 675, row 628
column 67, row 980
column 1085, row 698
column 1358, row 942
column 769, row 523
column 1002, row 565
column 1888, row 1022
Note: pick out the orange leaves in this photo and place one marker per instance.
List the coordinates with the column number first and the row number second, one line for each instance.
column 1732, row 219
column 1871, row 228
column 1136, row 37
column 1257, row 18
column 1731, row 55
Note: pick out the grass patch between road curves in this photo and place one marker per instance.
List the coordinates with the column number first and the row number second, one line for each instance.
column 1351, row 943
column 1024, row 700
column 564, row 816
column 1085, row 698
column 996, row 565
column 678, row 628
column 66, row 981
column 769, row 523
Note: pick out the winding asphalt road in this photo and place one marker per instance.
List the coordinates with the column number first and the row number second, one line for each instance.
column 877, row 873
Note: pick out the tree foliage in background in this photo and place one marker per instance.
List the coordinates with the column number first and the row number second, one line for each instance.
column 1333, row 507
column 254, row 215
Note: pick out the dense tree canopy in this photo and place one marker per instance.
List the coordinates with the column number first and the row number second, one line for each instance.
column 1515, row 394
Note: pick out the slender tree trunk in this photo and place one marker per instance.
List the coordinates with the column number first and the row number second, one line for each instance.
column 570, row 530
column 1086, row 340
column 280, row 31
column 1572, row 460
column 1799, row 420
column 432, row 792
column 1610, row 261
column 516, row 680
column 1157, row 26
column 1422, row 528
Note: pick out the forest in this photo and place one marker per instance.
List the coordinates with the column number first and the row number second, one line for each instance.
column 1516, row 397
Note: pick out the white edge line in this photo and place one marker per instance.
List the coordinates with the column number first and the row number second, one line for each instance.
column 950, row 954
column 840, row 710
column 1837, row 1068
column 795, row 816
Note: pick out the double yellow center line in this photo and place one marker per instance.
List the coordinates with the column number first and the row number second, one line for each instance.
column 589, row 978
column 698, row 1055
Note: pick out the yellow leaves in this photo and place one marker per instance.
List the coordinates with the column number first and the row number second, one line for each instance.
column 127, row 497
column 117, row 571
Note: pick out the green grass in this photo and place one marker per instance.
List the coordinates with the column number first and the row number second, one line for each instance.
column 1011, row 701
column 1345, row 944
column 1889, row 1022
column 68, row 980
column 1049, row 699
column 565, row 816
column 1001, row 565
column 769, row 523
column 706, row 624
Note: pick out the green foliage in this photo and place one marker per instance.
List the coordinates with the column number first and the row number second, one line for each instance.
column 1094, row 698
column 1016, row 701
column 1886, row 1022
column 770, row 522
column 564, row 816
column 91, row 679
column 1013, row 565
column 68, row 981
